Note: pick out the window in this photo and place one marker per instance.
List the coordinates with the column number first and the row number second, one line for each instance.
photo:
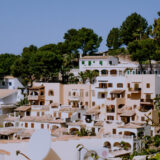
column 101, row 63
column 114, row 131
column 86, row 94
column 59, row 114
column 93, row 103
column 110, row 62
column 128, row 85
column 10, row 83
column 42, row 113
column 32, row 125
column 37, row 113
column 42, row 93
column 81, row 93
column 42, row 103
column 103, row 95
column 89, row 63
column 74, row 93
column 51, row 93
column 86, row 103
column 148, row 96
column 42, row 125
column 128, row 96
column 110, row 85
column 148, row 85
column 3, row 83
column 119, row 85
column 110, row 118
column 136, row 86
column 48, row 126
column 26, row 125
column 142, row 119
column 102, row 85
column 50, row 101
column 83, row 62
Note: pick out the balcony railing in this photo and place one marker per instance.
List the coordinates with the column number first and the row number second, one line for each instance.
column 135, row 90
column 7, row 105
column 118, row 137
column 30, row 97
column 146, row 101
column 76, row 97
column 39, row 107
column 35, row 97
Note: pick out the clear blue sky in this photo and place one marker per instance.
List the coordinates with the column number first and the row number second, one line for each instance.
column 40, row 22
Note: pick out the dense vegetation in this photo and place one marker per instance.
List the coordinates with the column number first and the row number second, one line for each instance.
column 134, row 37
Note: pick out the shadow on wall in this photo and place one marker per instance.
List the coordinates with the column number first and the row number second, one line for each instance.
column 52, row 155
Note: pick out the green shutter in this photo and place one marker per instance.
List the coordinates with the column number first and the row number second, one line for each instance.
column 101, row 63
column 83, row 62
column 89, row 63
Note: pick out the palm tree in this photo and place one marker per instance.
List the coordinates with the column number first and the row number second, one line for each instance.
column 91, row 75
column 82, row 76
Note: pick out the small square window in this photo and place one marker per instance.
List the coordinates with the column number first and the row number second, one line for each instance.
column 148, row 85
column 10, row 83
column 110, row 85
column 142, row 119
column 93, row 103
column 86, row 103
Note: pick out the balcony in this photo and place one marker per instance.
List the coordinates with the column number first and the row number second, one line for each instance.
column 7, row 105
column 146, row 101
column 39, row 107
column 135, row 90
column 74, row 98
column 34, row 98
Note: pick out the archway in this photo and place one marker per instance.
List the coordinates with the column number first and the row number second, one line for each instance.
column 73, row 131
column 126, row 146
column 9, row 124
column 104, row 72
column 128, row 133
column 107, row 145
column 97, row 71
column 113, row 72
column 117, row 144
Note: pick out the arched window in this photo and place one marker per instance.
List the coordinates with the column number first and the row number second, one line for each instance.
column 51, row 93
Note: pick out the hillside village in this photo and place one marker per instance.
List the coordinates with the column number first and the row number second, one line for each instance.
column 111, row 113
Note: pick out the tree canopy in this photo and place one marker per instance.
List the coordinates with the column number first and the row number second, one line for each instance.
column 6, row 61
column 133, row 28
column 113, row 39
column 83, row 41
column 142, row 50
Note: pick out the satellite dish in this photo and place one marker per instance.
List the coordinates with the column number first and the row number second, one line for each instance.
column 39, row 145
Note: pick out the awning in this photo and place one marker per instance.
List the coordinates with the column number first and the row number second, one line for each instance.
column 117, row 91
column 23, row 108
